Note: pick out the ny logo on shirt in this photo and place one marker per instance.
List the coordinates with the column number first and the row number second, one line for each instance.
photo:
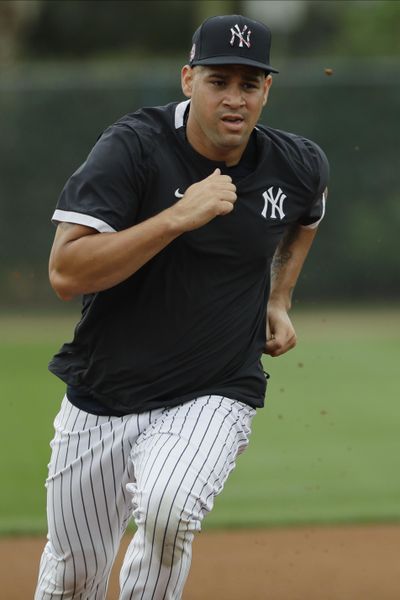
column 275, row 202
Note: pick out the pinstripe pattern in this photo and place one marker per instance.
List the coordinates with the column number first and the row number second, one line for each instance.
column 164, row 468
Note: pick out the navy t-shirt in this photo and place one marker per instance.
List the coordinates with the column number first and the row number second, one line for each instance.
column 192, row 320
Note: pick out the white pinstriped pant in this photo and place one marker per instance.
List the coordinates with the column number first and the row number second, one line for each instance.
column 163, row 467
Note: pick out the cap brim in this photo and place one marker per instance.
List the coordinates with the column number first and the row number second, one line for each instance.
column 233, row 60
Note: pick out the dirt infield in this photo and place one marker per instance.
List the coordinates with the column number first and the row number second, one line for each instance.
column 331, row 563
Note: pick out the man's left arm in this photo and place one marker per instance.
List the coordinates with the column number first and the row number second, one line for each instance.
column 285, row 269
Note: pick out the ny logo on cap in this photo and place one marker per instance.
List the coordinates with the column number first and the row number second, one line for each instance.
column 236, row 33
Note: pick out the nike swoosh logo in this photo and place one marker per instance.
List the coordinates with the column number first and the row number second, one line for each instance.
column 178, row 194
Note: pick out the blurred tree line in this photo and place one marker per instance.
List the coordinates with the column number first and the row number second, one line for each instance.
column 71, row 67
column 76, row 29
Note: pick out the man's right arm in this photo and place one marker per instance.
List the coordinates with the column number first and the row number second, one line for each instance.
column 83, row 261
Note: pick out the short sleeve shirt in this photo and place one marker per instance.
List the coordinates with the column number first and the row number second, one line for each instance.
column 192, row 320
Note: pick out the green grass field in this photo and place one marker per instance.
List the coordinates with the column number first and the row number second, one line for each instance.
column 325, row 449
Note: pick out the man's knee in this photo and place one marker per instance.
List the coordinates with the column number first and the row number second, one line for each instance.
column 168, row 520
column 69, row 576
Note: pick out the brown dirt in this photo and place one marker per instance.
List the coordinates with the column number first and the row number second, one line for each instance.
column 330, row 563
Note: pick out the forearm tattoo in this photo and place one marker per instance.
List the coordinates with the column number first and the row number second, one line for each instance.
column 280, row 259
column 283, row 253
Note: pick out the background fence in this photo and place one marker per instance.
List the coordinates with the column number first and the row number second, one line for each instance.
column 52, row 115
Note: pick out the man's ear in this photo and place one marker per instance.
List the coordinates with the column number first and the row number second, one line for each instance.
column 267, row 87
column 187, row 80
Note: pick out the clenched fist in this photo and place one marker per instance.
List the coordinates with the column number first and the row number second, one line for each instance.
column 203, row 201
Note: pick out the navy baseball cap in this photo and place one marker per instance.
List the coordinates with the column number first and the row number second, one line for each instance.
column 232, row 40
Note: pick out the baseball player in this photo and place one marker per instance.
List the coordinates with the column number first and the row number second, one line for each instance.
column 170, row 230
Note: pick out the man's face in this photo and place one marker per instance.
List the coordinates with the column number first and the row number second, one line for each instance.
column 226, row 103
